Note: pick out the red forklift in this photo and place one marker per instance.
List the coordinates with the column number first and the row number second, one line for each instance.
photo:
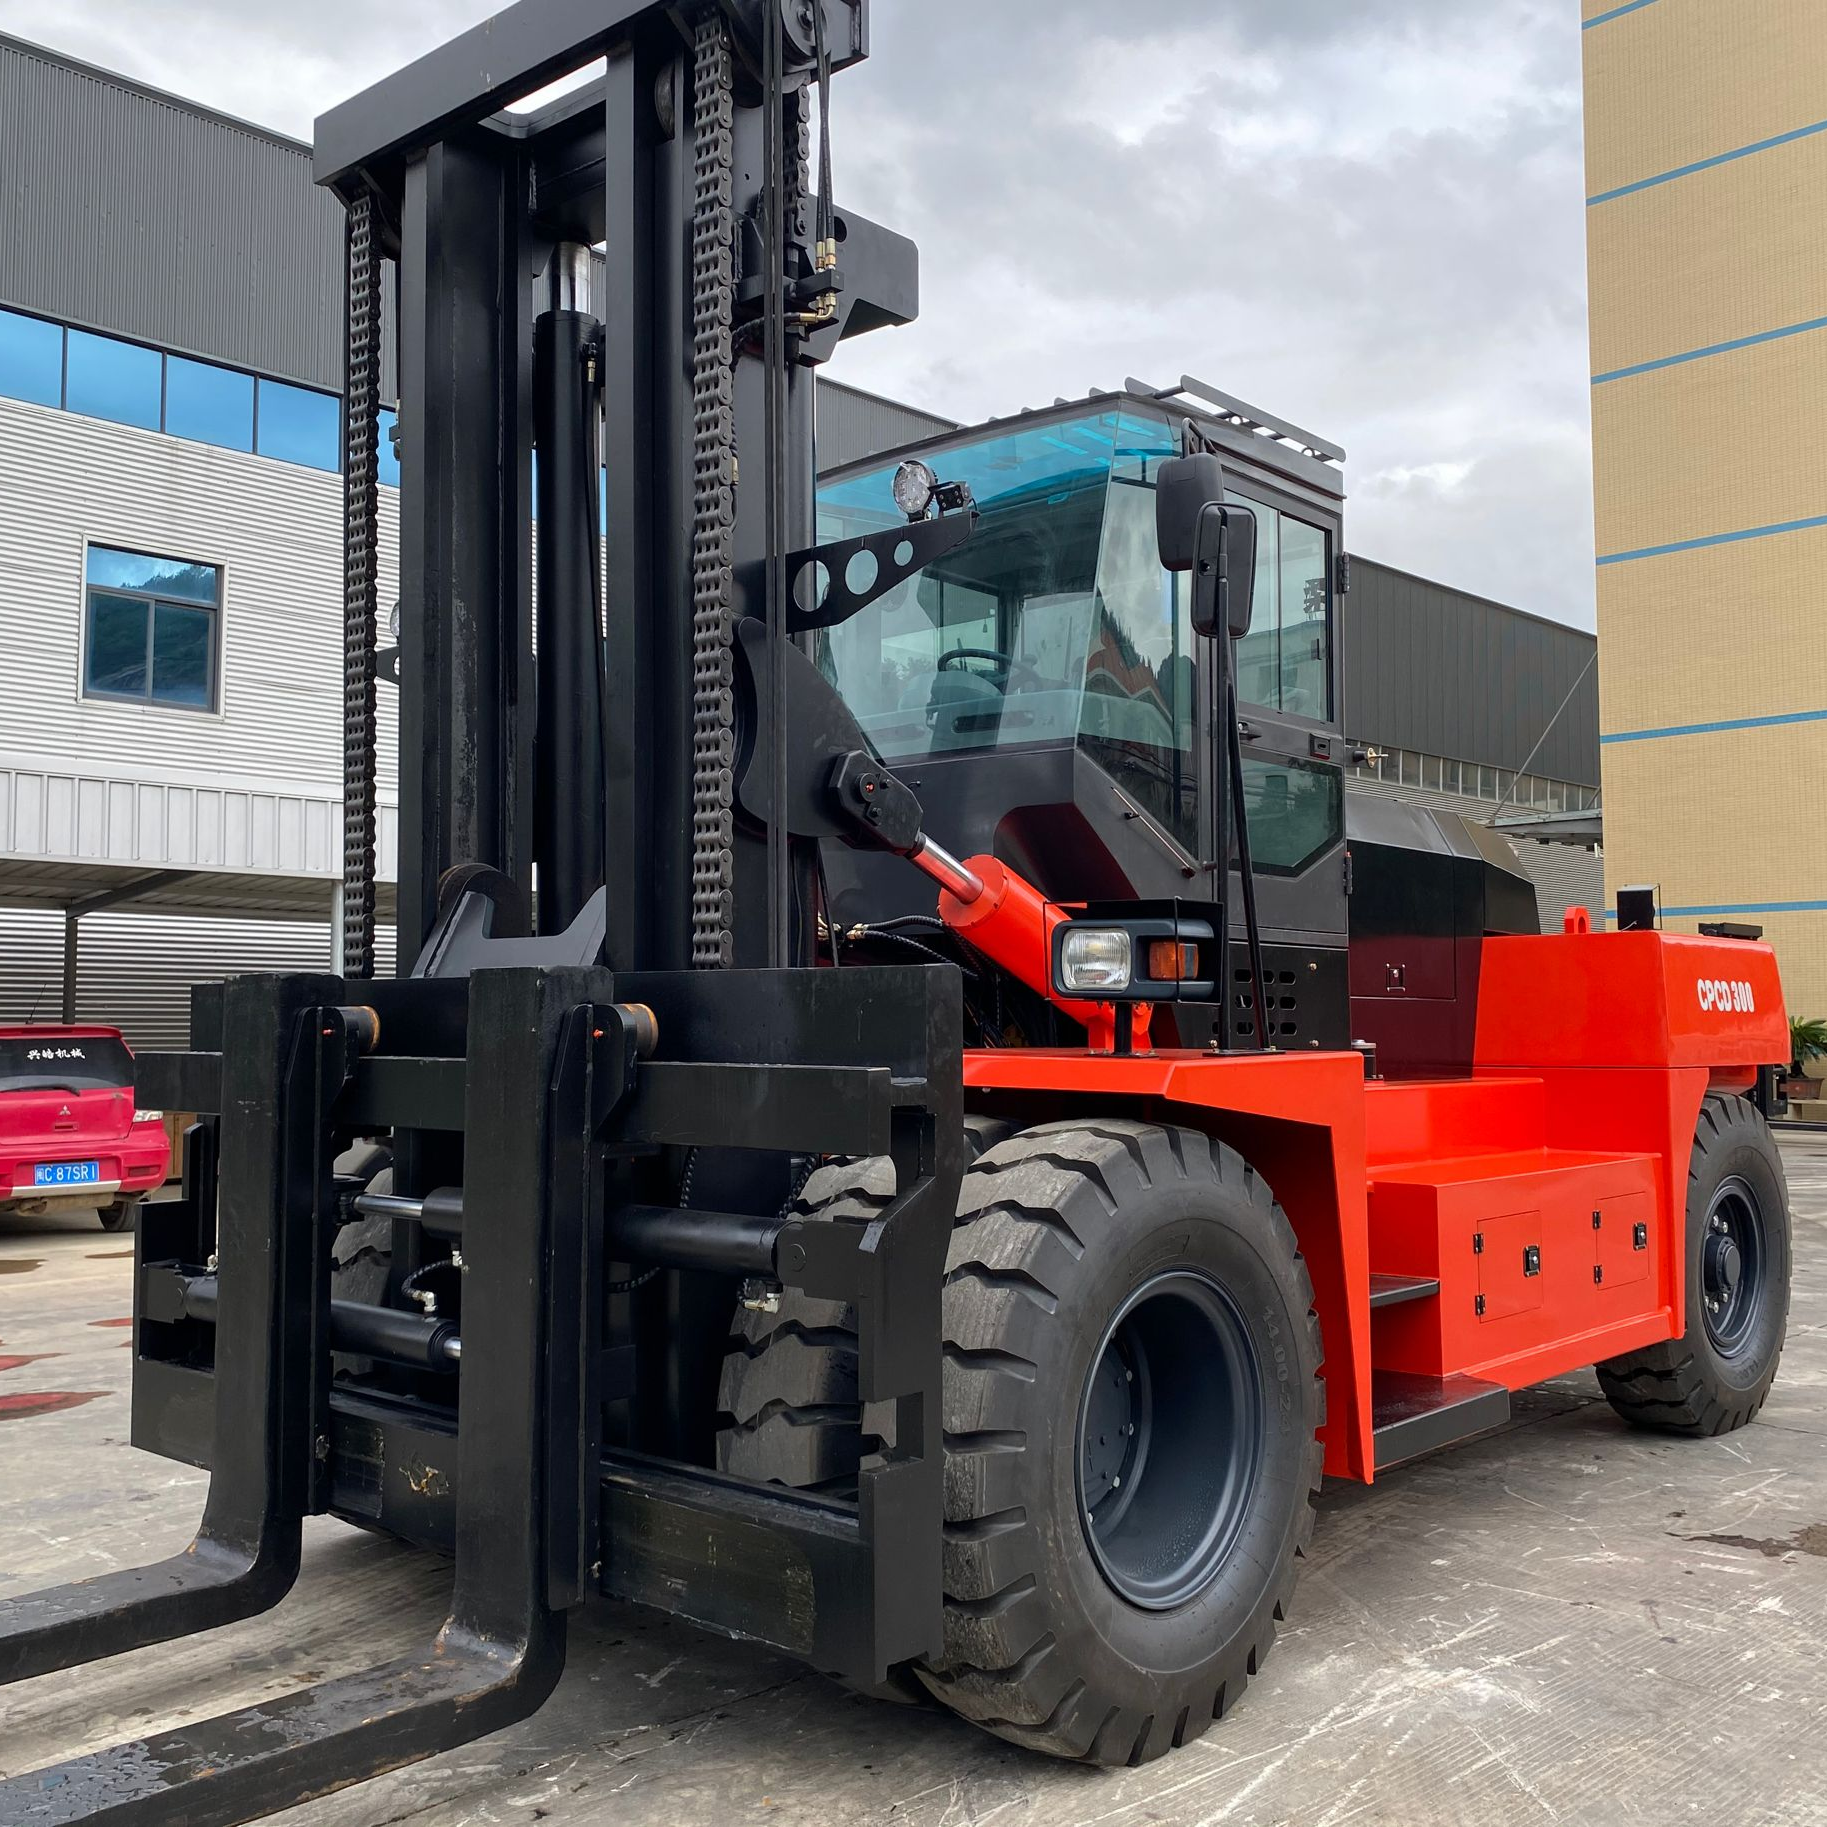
column 918, row 1119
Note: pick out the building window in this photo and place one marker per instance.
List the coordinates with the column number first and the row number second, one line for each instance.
column 299, row 426
column 208, row 404
column 390, row 458
column 31, row 359
column 109, row 379
column 127, row 383
column 150, row 629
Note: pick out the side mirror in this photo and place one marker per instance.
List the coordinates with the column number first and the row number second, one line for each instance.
column 1198, row 532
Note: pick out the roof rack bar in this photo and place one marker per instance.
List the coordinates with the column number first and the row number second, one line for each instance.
column 1247, row 418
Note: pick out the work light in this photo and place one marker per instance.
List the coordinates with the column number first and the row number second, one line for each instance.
column 914, row 488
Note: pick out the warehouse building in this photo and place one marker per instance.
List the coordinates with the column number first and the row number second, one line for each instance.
column 1706, row 156
column 170, row 625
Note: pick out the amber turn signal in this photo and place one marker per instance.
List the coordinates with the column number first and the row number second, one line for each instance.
column 1172, row 961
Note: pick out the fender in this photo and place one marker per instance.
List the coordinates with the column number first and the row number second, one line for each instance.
column 1298, row 1120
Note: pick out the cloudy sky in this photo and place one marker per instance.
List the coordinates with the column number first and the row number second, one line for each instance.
column 1366, row 218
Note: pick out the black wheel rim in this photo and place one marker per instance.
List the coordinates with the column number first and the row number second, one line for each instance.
column 1171, row 1425
column 1734, row 1260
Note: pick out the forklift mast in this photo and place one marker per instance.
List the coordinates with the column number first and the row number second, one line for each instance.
column 687, row 162
column 604, row 1098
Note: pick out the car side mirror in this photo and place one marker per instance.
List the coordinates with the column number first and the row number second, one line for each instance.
column 1198, row 531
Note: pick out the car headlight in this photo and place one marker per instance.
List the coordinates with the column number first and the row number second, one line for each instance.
column 149, row 1116
column 1095, row 960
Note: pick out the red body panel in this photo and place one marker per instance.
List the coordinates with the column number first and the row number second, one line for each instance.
column 1630, row 999
column 54, row 1123
column 1546, row 1194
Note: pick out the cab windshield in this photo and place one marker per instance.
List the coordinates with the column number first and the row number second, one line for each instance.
column 1053, row 623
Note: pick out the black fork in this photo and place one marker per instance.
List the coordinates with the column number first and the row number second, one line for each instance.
column 526, row 1524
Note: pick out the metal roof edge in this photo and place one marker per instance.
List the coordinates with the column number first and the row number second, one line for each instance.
column 1473, row 596
column 883, row 399
column 132, row 85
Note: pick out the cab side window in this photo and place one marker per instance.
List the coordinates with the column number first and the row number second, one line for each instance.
column 1285, row 662
column 1140, row 708
column 1296, row 811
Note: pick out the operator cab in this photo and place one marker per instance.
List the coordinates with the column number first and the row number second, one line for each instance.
column 1042, row 691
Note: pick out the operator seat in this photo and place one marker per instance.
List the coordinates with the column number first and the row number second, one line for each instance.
column 957, row 696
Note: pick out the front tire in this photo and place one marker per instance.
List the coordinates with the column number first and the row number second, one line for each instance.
column 1123, row 1302
column 1081, row 1249
column 1716, row 1376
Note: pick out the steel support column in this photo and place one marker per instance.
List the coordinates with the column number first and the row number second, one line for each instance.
column 466, row 523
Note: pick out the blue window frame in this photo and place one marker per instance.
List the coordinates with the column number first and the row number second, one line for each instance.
column 209, row 404
column 297, row 425
column 31, row 359
column 109, row 379
column 151, row 629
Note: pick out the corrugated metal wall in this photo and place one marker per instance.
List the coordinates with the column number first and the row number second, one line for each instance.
column 141, row 215
column 853, row 424
column 1439, row 670
column 136, row 970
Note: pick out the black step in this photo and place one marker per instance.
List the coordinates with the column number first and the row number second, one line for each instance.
column 1416, row 1414
column 1393, row 1290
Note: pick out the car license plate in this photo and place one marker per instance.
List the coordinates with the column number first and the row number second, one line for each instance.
column 67, row 1173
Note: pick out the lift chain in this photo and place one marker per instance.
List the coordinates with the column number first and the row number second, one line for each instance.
column 713, row 496
column 798, row 109
column 361, row 538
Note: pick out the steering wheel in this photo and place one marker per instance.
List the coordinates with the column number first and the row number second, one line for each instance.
column 1006, row 663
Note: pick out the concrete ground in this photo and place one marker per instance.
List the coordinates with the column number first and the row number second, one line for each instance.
column 1564, row 1622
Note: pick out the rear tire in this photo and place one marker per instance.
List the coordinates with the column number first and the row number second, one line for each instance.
column 119, row 1214
column 1716, row 1376
column 361, row 1269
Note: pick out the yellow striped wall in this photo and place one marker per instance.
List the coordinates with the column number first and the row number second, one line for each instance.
column 1706, row 165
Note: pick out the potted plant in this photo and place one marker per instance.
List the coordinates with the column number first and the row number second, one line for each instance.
column 1807, row 1044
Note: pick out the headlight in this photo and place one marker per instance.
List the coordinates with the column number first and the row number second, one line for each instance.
column 393, row 624
column 1093, row 960
column 149, row 1116
column 914, row 488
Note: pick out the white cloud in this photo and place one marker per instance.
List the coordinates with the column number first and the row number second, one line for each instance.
column 1366, row 219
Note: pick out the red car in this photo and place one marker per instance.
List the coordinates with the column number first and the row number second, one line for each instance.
column 70, row 1135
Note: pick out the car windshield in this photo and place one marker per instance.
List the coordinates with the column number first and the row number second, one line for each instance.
column 64, row 1062
column 1053, row 623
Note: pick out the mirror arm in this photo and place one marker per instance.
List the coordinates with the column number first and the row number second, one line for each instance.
column 1210, row 607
